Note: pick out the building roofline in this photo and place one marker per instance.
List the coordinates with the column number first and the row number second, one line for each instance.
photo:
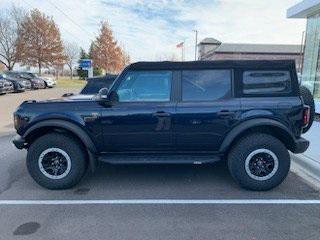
column 304, row 9
column 254, row 53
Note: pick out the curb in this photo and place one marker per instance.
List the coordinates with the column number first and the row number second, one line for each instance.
column 306, row 168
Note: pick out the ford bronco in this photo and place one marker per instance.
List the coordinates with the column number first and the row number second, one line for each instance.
column 250, row 113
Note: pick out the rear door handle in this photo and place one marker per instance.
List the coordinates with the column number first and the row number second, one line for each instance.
column 161, row 114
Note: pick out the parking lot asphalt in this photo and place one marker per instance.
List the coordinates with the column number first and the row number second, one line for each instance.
column 156, row 220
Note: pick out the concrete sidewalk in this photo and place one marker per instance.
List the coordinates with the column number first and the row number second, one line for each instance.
column 307, row 165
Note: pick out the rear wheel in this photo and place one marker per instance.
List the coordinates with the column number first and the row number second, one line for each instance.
column 259, row 162
column 56, row 161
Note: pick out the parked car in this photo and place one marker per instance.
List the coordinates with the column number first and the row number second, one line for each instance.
column 93, row 86
column 19, row 85
column 36, row 83
column 49, row 81
column 250, row 113
column 5, row 86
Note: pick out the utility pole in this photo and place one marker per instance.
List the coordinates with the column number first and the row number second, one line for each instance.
column 196, row 45
column 302, row 49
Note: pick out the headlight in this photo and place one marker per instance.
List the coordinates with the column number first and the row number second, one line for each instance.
column 16, row 121
column 20, row 121
column 1, row 84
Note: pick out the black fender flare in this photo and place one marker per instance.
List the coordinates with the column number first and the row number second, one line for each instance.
column 257, row 122
column 74, row 129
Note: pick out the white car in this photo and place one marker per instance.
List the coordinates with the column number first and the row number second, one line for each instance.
column 50, row 81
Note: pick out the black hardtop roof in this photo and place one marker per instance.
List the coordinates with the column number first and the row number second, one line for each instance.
column 167, row 65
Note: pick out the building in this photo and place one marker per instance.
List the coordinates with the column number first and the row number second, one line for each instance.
column 213, row 49
column 310, row 9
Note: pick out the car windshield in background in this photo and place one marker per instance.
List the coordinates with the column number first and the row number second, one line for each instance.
column 33, row 75
column 25, row 75
column 95, row 84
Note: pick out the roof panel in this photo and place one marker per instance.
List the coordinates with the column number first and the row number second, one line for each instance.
column 212, row 64
column 210, row 41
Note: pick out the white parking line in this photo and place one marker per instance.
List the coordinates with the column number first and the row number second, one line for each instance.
column 162, row 201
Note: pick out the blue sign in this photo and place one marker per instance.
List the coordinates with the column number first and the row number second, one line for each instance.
column 85, row 63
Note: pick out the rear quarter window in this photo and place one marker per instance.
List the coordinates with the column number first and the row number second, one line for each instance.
column 266, row 82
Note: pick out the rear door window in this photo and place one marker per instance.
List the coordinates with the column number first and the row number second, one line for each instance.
column 206, row 85
column 266, row 82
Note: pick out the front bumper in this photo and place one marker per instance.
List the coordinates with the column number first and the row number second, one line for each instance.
column 27, row 86
column 38, row 85
column 19, row 142
column 3, row 91
column 50, row 84
column 301, row 145
column 8, row 89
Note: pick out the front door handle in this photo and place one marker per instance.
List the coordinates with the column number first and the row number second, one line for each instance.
column 161, row 114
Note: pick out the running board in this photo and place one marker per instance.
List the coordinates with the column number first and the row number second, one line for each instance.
column 158, row 159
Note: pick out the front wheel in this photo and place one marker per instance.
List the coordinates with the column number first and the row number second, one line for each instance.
column 259, row 162
column 56, row 161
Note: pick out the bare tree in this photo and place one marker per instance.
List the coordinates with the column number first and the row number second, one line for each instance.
column 10, row 23
column 71, row 51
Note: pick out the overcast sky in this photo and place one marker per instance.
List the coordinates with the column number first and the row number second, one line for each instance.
column 150, row 29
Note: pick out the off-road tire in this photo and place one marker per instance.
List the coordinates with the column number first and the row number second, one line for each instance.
column 309, row 101
column 66, row 143
column 248, row 144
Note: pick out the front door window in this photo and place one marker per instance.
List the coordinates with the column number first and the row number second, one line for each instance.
column 145, row 86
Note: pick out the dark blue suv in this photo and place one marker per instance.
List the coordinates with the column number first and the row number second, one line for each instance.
column 250, row 113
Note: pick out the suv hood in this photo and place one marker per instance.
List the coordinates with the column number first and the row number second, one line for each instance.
column 81, row 97
column 73, row 98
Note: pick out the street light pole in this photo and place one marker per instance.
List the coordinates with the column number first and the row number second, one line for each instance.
column 196, row 45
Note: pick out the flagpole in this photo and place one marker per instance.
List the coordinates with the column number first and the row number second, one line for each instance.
column 182, row 54
column 181, row 45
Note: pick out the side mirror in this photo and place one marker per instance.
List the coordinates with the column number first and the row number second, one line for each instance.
column 103, row 94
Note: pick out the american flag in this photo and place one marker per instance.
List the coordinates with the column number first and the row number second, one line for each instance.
column 180, row 45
